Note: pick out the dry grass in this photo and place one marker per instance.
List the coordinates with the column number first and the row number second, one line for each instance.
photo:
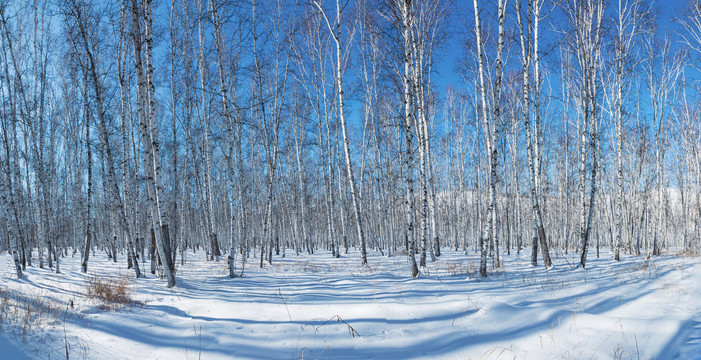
column 113, row 293
column 647, row 269
column 23, row 314
column 457, row 268
column 691, row 252
column 400, row 252
column 451, row 268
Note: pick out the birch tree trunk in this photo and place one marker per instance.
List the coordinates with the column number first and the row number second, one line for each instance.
column 214, row 252
column 268, row 108
column 230, row 126
column 407, row 26
column 147, row 118
column 91, row 69
column 663, row 70
column 630, row 20
column 8, row 204
column 9, row 196
column 528, row 54
column 173, row 105
column 88, row 212
column 536, row 138
column 490, row 129
column 336, row 35
column 585, row 17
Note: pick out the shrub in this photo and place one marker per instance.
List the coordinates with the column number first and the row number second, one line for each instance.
column 113, row 292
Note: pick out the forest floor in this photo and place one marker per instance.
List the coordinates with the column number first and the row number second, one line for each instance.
column 319, row 307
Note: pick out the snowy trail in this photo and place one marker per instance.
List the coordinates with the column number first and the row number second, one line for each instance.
column 320, row 307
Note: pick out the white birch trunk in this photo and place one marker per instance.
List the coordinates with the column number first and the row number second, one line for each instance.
column 490, row 130
column 146, row 110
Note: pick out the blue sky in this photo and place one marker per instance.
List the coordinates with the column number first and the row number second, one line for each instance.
column 446, row 72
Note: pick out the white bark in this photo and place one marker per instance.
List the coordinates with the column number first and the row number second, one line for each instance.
column 490, row 129
column 147, row 119
column 336, row 35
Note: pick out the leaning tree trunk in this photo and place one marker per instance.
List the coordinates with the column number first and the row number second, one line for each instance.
column 92, row 68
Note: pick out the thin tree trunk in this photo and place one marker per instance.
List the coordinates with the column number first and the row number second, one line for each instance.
column 147, row 121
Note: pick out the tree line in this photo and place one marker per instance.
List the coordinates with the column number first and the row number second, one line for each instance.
column 250, row 129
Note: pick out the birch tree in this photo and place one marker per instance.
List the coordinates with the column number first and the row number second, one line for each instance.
column 268, row 99
column 233, row 130
column 405, row 11
column 77, row 14
column 490, row 128
column 7, row 191
column 528, row 35
column 662, row 71
column 335, row 31
column 630, row 22
column 585, row 18
column 148, row 127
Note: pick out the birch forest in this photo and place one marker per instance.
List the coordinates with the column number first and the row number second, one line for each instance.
column 397, row 178
column 250, row 131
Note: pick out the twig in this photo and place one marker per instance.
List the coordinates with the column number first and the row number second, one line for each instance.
column 284, row 302
column 65, row 338
column 351, row 330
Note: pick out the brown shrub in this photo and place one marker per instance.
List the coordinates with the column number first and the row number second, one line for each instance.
column 110, row 291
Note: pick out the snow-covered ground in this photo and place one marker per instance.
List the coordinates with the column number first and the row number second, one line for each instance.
column 320, row 307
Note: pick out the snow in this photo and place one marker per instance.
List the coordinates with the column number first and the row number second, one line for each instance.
column 321, row 307
column 10, row 350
